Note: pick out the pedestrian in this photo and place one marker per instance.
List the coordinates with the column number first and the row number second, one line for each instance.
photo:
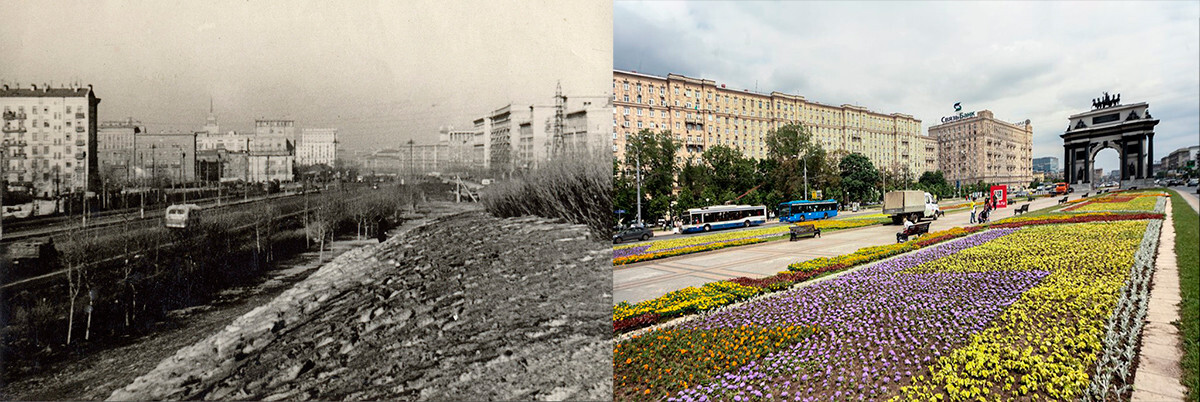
column 972, row 211
column 381, row 229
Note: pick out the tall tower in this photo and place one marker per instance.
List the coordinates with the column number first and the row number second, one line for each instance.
column 560, row 104
column 210, row 124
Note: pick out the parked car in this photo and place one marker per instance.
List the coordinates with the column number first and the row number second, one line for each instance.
column 1193, row 182
column 632, row 233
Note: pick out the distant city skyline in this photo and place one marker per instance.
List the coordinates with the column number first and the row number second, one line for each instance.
column 381, row 73
column 1041, row 61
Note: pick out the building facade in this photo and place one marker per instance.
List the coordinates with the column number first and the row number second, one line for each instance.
column 976, row 147
column 583, row 130
column 700, row 114
column 1047, row 164
column 481, row 148
column 286, row 128
column 1180, row 158
column 165, row 157
column 271, row 157
column 115, row 145
column 231, row 141
column 49, row 142
column 317, row 146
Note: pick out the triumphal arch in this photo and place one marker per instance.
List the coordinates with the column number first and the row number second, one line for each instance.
column 1129, row 129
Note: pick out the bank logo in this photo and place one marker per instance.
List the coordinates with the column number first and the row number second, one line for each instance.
column 957, row 106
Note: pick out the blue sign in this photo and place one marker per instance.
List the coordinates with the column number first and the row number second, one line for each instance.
column 620, row 211
column 957, row 184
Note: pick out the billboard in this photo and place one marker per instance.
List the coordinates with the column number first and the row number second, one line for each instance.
column 1000, row 194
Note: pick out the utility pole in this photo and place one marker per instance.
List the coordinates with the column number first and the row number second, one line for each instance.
column 411, row 172
column 639, row 182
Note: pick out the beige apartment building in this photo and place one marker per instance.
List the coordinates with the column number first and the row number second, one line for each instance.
column 49, row 142
column 317, row 146
column 701, row 113
column 975, row 146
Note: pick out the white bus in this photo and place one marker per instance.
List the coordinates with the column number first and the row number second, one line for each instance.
column 723, row 217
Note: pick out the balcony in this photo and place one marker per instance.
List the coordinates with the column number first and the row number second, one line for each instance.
column 81, row 155
column 78, row 115
column 80, row 143
column 80, row 129
column 10, row 115
column 20, row 155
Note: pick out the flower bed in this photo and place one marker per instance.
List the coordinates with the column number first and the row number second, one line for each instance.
column 1045, row 344
column 638, row 252
column 627, row 317
column 1119, row 202
column 1010, row 313
column 654, row 364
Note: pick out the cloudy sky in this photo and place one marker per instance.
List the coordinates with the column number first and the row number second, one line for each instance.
column 380, row 71
column 1022, row 60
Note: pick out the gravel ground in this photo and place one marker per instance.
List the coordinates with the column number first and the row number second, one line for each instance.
column 467, row 307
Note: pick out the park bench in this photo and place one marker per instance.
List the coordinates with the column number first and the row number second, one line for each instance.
column 1062, row 200
column 914, row 230
column 804, row 230
column 1023, row 209
column 1084, row 195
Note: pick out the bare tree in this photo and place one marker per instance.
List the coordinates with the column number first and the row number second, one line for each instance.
column 76, row 250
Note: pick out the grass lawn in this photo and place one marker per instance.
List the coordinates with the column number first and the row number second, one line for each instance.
column 1186, row 250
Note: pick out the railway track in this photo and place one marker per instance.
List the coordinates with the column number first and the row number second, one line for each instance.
column 134, row 217
column 287, row 202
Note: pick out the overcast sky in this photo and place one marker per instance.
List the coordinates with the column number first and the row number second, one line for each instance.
column 382, row 72
column 1022, row 60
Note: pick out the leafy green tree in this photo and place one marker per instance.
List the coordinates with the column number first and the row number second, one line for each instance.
column 731, row 171
column 655, row 153
column 792, row 148
column 859, row 177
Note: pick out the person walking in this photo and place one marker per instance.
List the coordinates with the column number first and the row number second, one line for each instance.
column 381, row 228
column 972, row 211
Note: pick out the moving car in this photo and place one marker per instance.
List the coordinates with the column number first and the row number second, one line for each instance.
column 182, row 216
column 632, row 233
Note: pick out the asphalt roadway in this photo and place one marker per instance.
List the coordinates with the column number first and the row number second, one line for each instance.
column 647, row 280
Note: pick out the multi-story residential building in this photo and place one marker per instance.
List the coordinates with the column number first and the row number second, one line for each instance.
column 317, row 146
column 49, row 143
column 460, row 145
column 169, row 157
column 271, row 157
column 482, row 146
column 1180, row 158
column 976, row 147
column 231, row 141
column 286, row 128
column 583, row 130
column 702, row 114
column 115, row 145
column 1047, row 164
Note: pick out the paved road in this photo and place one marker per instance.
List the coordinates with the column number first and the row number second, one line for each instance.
column 1189, row 195
column 638, row 282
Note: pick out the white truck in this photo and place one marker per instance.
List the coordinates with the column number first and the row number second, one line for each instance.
column 912, row 204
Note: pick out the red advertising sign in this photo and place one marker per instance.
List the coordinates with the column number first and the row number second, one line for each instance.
column 1000, row 194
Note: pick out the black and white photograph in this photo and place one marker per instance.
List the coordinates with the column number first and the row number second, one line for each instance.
column 270, row 200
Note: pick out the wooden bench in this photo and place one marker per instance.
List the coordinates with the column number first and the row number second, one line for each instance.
column 1062, row 200
column 914, row 230
column 1023, row 209
column 804, row 230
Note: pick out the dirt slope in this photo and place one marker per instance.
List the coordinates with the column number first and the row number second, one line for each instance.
column 466, row 307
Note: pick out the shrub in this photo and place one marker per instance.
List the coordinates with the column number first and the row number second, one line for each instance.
column 577, row 190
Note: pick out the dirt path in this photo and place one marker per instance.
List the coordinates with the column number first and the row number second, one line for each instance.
column 468, row 307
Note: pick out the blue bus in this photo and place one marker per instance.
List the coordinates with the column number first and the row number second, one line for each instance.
column 723, row 217
column 800, row 211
